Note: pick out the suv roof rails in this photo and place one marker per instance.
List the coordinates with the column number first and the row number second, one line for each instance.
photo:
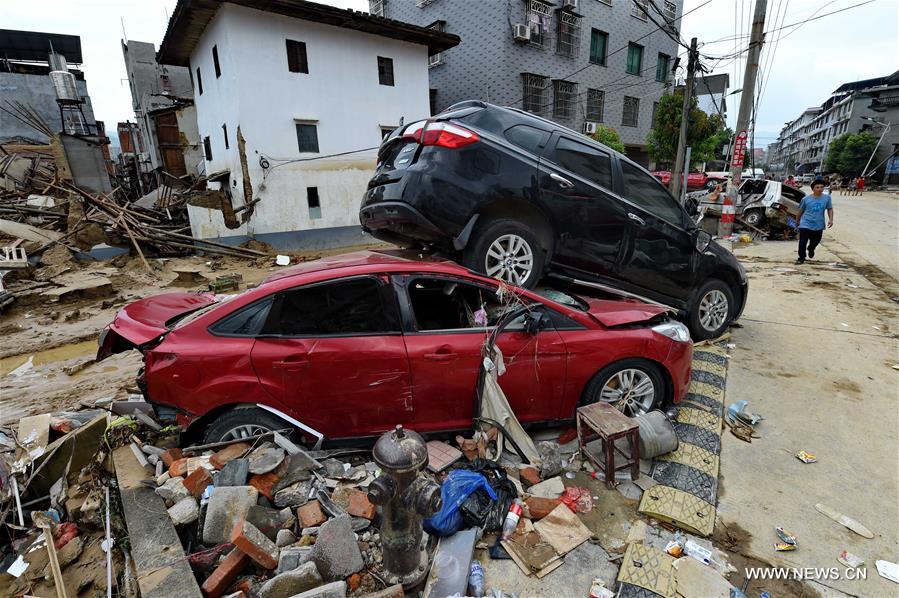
column 464, row 104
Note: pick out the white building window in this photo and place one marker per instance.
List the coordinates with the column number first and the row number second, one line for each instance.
column 378, row 8
column 313, row 203
column 639, row 8
column 669, row 9
column 307, row 137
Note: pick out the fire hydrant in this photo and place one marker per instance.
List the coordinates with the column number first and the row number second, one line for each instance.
column 405, row 497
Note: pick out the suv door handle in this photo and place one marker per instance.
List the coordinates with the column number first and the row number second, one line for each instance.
column 291, row 362
column 439, row 356
column 562, row 181
column 636, row 218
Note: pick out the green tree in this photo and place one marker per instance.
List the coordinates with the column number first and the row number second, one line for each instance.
column 706, row 134
column 609, row 137
column 849, row 153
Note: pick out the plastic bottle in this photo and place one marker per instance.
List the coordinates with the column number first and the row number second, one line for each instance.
column 476, row 580
column 512, row 518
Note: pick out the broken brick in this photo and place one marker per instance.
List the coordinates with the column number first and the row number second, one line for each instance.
column 354, row 581
column 359, row 505
column 529, row 475
column 178, row 468
column 567, row 436
column 229, row 453
column 310, row 514
column 197, row 481
column 170, row 456
column 232, row 565
column 253, row 542
column 539, row 507
column 264, row 483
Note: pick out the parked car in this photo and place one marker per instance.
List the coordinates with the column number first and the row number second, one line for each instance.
column 752, row 173
column 351, row 345
column 517, row 197
column 695, row 180
column 805, row 178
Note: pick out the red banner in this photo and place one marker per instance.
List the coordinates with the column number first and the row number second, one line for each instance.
column 739, row 149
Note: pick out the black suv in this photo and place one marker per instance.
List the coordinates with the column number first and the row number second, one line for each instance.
column 519, row 197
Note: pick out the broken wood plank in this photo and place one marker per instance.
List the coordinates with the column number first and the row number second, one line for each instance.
column 161, row 566
column 28, row 232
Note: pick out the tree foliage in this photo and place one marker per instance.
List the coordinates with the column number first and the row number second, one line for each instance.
column 706, row 134
column 609, row 137
column 849, row 153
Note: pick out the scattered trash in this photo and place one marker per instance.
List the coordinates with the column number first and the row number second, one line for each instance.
column 577, row 499
column 476, row 580
column 844, row 520
column 598, row 589
column 786, row 539
column 850, row 560
column 694, row 550
column 282, row 260
column 806, row 457
column 888, row 570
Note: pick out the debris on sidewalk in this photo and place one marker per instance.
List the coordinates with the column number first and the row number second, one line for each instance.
column 806, row 457
column 844, row 520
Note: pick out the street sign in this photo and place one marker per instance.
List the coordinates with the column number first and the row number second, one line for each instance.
column 893, row 165
column 739, row 149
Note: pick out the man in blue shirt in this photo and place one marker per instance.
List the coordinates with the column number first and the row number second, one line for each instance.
column 811, row 219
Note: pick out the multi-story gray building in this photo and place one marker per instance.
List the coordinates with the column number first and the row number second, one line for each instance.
column 867, row 105
column 577, row 62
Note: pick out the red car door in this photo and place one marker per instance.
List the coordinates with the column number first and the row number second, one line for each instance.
column 333, row 352
column 444, row 340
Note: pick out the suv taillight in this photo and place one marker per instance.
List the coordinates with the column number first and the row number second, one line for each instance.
column 441, row 134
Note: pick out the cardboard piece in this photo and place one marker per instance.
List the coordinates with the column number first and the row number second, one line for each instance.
column 563, row 530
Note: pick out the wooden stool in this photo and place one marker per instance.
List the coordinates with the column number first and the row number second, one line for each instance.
column 610, row 425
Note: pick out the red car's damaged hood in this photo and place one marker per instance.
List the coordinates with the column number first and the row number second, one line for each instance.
column 618, row 313
column 142, row 321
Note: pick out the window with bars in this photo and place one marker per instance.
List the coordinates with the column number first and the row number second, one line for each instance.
column 639, row 8
column 669, row 9
column 378, row 8
column 568, row 35
column 662, row 67
column 436, row 59
column 631, row 112
column 595, row 103
column 634, row 59
column 539, row 22
column 534, row 92
column 564, row 97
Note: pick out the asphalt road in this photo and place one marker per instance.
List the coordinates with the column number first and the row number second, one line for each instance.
column 815, row 357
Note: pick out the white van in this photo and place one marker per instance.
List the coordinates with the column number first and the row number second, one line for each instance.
column 753, row 173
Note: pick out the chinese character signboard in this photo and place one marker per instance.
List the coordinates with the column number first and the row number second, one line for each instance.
column 739, row 149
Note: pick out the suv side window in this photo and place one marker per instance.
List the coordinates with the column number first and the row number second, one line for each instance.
column 449, row 304
column 583, row 160
column 341, row 308
column 530, row 138
column 646, row 192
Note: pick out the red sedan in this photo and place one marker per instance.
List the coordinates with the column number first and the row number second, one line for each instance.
column 351, row 345
column 695, row 180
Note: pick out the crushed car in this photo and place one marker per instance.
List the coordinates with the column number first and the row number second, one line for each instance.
column 518, row 197
column 352, row 345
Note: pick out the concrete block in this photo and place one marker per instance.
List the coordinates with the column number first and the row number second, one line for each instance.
column 266, row 520
column 336, row 589
column 292, row 557
column 290, row 583
column 226, row 507
column 233, row 473
column 336, row 553
column 293, row 496
column 173, row 490
column 253, row 542
column 225, row 574
column 284, row 538
column 184, row 511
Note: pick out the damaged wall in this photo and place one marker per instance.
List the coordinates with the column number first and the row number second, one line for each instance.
column 36, row 91
column 341, row 95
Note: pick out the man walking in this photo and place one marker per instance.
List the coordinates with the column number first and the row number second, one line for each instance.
column 811, row 219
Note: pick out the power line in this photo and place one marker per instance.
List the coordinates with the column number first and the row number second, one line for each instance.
column 804, row 21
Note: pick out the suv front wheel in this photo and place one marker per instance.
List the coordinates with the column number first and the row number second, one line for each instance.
column 712, row 310
column 508, row 250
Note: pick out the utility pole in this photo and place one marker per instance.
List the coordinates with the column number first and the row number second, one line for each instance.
column 674, row 185
column 756, row 39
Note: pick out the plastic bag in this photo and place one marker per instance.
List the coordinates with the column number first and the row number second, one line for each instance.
column 489, row 512
column 458, row 486
column 577, row 499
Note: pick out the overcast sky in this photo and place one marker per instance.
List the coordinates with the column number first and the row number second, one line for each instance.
column 808, row 63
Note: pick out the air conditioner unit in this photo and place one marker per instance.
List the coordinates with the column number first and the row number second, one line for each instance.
column 572, row 4
column 589, row 128
column 435, row 59
column 522, row 33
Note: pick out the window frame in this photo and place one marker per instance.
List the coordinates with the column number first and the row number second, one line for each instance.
column 550, row 155
column 605, row 47
column 536, row 94
column 602, row 105
column 270, row 298
column 215, row 61
column 199, row 82
column 207, row 148
column 382, row 74
column 564, row 99
column 225, row 135
column 624, row 103
column 393, row 319
column 306, row 123
column 627, row 64
column 568, row 34
column 664, row 72
column 302, row 61
column 625, row 196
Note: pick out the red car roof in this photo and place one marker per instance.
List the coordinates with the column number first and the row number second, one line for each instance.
column 379, row 259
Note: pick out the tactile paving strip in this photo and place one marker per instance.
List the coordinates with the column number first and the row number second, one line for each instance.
column 710, row 390
column 680, row 508
column 698, row 436
column 692, row 455
column 691, row 400
column 710, row 367
column 708, row 377
column 647, row 568
column 686, row 478
column 700, row 418
column 711, row 354
column 626, row 590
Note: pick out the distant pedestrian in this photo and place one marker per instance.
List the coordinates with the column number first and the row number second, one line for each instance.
column 852, row 186
column 790, row 182
column 811, row 219
column 860, row 186
column 844, row 185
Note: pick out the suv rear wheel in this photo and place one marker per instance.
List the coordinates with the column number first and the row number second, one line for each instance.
column 712, row 310
column 508, row 250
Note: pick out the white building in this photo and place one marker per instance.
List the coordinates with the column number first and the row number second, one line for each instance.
column 292, row 102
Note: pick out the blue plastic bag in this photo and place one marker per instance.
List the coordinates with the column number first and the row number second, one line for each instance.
column 459, row 484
